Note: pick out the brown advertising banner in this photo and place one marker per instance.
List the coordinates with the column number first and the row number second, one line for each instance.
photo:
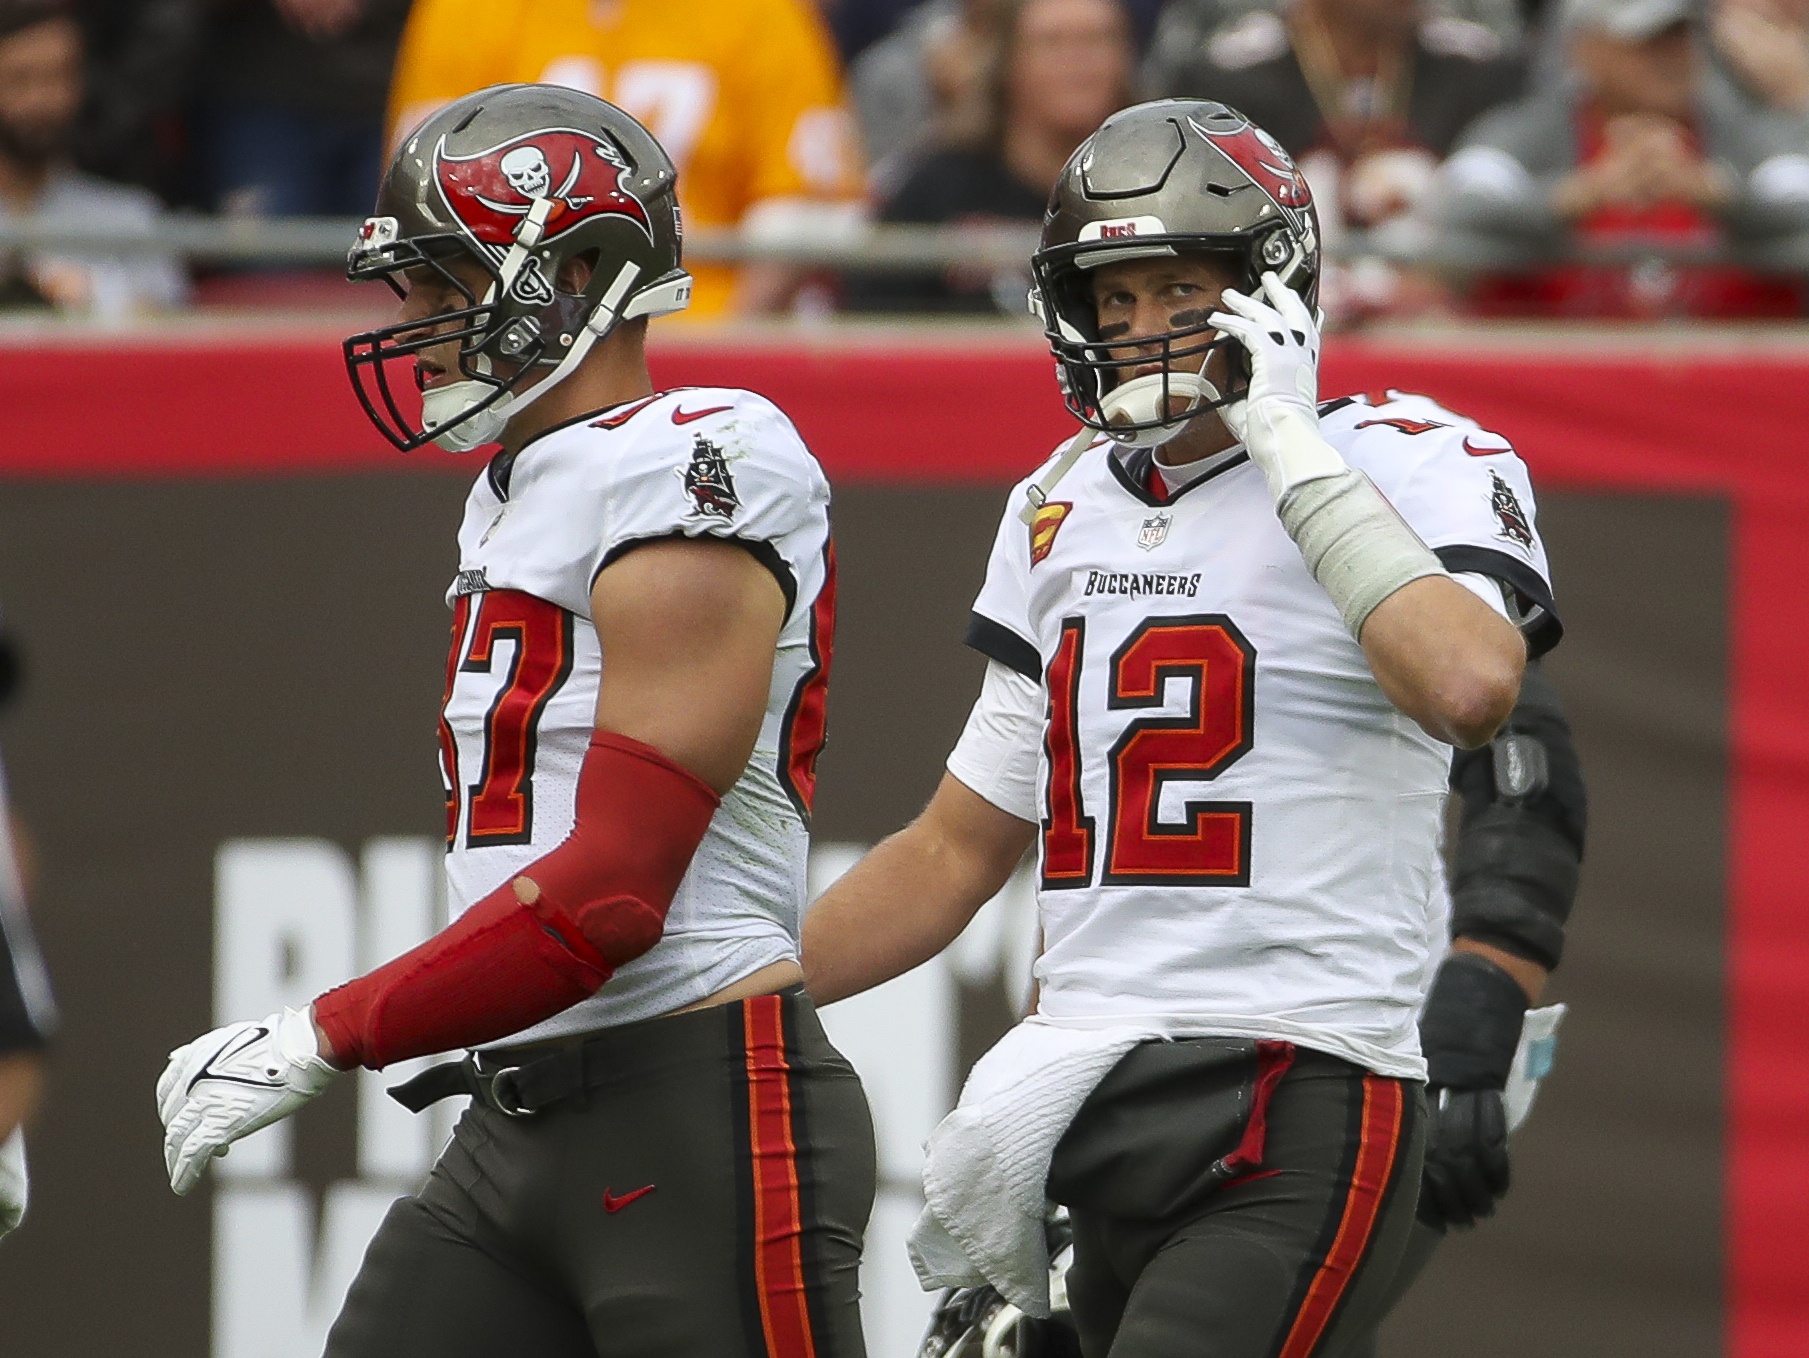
column 225, row 761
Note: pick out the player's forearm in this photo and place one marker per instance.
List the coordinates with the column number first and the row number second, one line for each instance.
column 908, row 899
column 1445, row 659
column 1530, row 975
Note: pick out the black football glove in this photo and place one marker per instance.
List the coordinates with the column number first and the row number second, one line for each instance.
column 1469, row 1030
column 1466, row 1157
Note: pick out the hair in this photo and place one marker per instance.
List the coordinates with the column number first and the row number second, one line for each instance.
column 18, row 15
column 987, row 128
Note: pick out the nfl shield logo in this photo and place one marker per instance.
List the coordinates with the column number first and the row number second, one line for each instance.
column 1154, row 531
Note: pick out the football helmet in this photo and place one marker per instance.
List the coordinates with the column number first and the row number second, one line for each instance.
column 1163, row 178
column 519, row 179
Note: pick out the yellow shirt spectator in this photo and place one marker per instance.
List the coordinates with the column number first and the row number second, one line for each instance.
column 745, row 95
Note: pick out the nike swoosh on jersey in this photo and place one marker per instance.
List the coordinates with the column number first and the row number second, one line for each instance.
column 686, row 416
column 613, row 1204
column 622, row 417
column 1485, row 452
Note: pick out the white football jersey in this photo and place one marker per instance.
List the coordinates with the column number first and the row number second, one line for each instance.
column 1238, row 828
column 521, row 679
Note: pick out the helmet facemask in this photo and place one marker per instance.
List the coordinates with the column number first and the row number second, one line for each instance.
column 533, row 326
column 1097, row 373
column 474, row 327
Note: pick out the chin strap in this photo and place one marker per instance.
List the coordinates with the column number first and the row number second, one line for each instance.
column 462, row 434
column 1145, row 399
column 1037, row 493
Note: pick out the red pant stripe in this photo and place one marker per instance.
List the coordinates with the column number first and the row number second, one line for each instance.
column 1384, row 1112
column 778, row 1213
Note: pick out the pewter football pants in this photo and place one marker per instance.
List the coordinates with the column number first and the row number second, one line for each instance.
column 1287, row 1258
column 707, row 1200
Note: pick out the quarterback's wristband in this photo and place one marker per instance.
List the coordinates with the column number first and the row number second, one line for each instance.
column 1470, row 1027
column 1357, row 546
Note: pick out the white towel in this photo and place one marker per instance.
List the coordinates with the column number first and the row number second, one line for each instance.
column 988, row 1161
column 1532, row 1061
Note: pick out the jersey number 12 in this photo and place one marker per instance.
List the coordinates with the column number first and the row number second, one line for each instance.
column 1210, row 846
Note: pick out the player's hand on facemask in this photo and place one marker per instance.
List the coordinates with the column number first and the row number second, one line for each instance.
column 14, row 1185
column 1469, row 1029
column 1278, row 417
column 233, row 1081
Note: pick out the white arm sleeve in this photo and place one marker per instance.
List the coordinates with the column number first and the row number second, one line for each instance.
column 997, row 754
column 1486, row 588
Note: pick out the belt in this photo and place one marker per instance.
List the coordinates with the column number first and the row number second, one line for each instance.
column 516, row 1091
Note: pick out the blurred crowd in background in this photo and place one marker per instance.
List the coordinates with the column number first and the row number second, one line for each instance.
column 1569, row 159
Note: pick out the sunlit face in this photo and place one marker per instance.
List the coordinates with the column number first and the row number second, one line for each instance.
column 1136, row 301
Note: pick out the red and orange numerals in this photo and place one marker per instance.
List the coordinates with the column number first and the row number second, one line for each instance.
column 449, row 750
column 540, row 637
column 806, row 724
column 1067, row 832
column 1210, row 846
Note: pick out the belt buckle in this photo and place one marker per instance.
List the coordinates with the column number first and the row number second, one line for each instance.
column 493, row 1085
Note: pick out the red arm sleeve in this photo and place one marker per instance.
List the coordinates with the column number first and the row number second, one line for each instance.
column 595, row 902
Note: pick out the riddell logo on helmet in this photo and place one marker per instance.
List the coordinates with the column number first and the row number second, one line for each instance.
column 1123, row 228
column 578, row 172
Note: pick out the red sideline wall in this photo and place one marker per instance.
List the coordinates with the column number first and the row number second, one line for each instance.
column 1726, row 421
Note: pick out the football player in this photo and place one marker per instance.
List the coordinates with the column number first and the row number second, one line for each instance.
column 663, row 1154
column 1514, row 879
column 1233, row 634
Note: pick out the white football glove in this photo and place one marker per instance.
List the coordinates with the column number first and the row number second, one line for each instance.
column 13, row 1183
column 231, row 1082
column 1278, row 417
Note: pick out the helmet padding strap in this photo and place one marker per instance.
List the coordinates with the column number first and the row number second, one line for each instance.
column 466, row 434
column 527, row 236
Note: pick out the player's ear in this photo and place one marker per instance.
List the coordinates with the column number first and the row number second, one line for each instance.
column 575, row 273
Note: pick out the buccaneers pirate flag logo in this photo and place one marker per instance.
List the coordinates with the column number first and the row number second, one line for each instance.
column 1514, row 524
column 491, row 191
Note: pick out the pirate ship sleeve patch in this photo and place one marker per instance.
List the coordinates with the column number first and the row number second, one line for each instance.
column 708, row 462
column 709, row 483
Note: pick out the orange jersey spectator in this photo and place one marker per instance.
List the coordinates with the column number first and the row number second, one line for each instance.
column 745, row 95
